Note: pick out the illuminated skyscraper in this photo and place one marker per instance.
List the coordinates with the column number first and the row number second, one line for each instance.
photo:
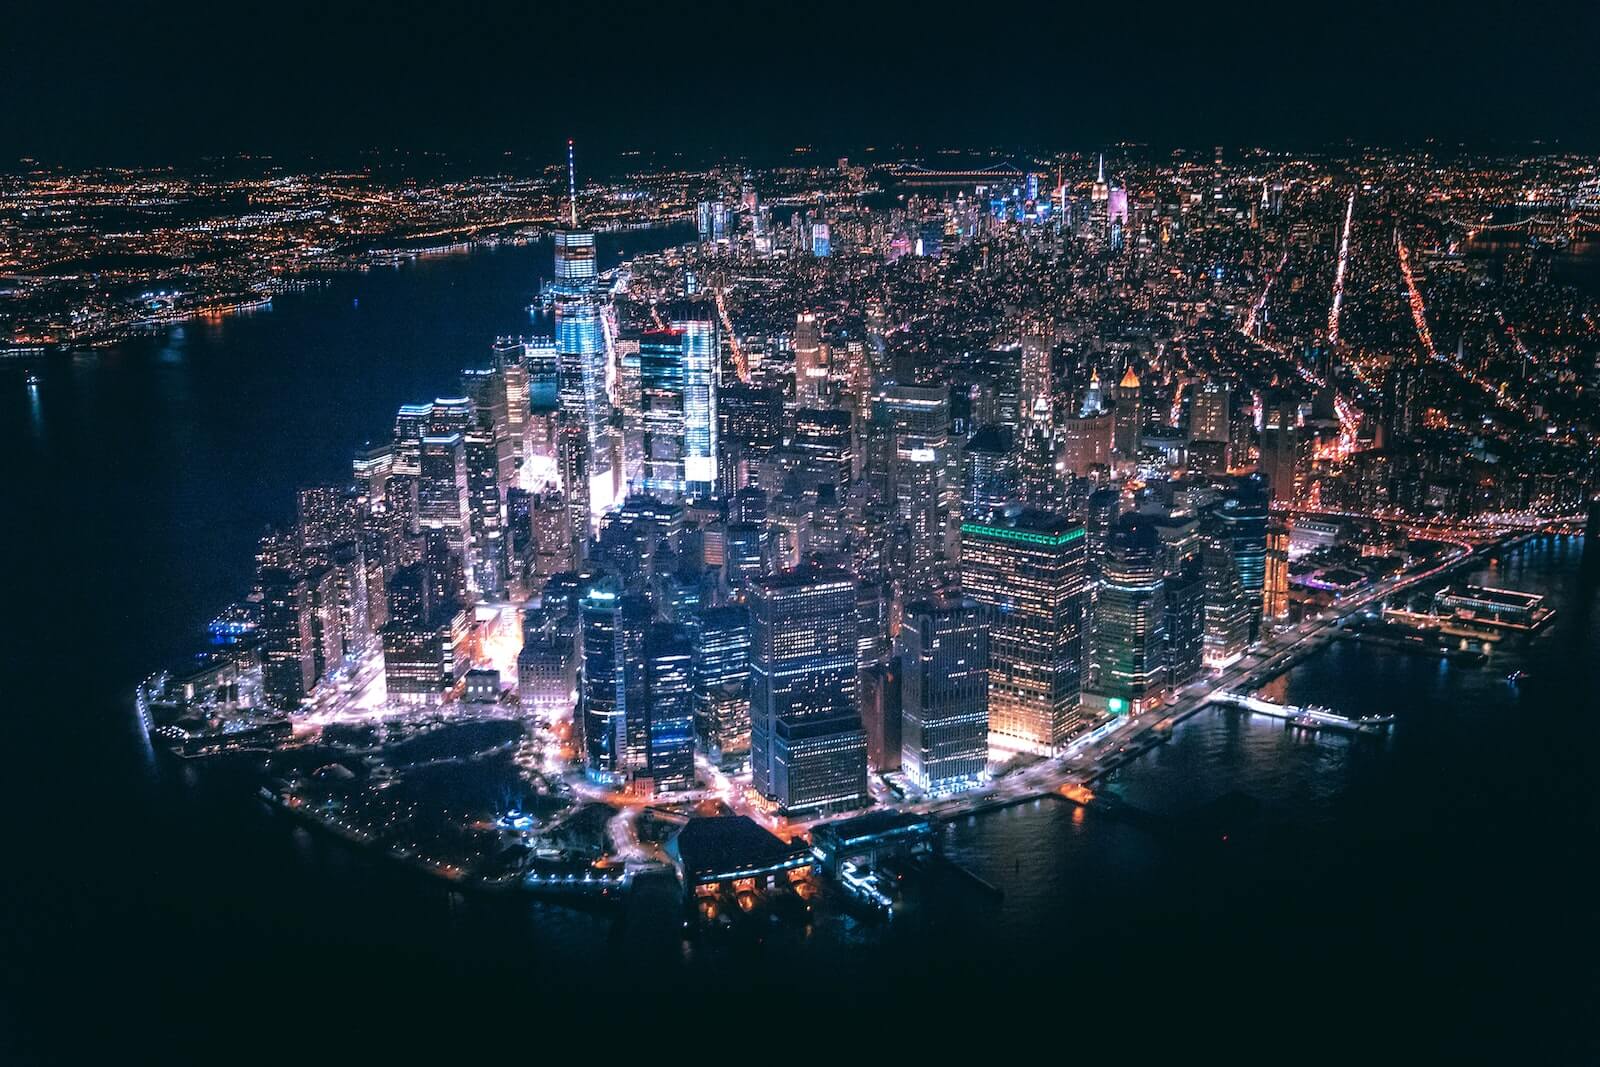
column 678, row 408
column 808, row 748
column 662, row 381
column 1275, row 580
column 602, row 685
column 580, row 338
column 810, row 363
column 443, row 502
column 1282, row 446
column 1208, row 411
column 1027, row 567
column 1086, row 442
column 1185, row 624
column 572, row 458
column 288, row 667
column 1242, row 517
column 911, row 458
column 486, row 388
column 669, row 711
column 722, row 681
column 1036, row 342
column 989, row 478
column 1227, row 607
column 483, row 453
column 823, row 447
column 1130, row 621
column 944, row 693
column 1128, row 416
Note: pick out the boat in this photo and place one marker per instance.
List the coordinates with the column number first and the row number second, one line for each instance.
column 1517, row 676
column 32, row 379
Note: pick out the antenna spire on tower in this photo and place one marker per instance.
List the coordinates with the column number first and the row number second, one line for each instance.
column 572, row 185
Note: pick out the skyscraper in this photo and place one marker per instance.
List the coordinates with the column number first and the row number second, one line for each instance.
column 1127, row 415
column 1227, row 606
column 580, row 339
column 669, row 695
column 945, row 693
column 1027, row 567
column 808, row 749
column 1130, row 619
column 677, row 409
column 911, row 458
column 443, row 502
column 823, row 448
column 601, row 683
column 989, row 471
column 1242, row 517
column 722, row 681
column 1209, row 406
column 1185, row 624
column 1037, row 339
column 1281, row 446
column 1275, row 579
column 288, row 668
column 810, row 363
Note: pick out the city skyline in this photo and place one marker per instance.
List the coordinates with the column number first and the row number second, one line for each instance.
column 647, row 524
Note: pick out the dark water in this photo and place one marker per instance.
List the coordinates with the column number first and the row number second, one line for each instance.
column 1430, row 891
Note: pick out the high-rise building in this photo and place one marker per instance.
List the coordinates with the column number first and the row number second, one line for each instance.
column 822, row 448
column 602, row 703
column 999, row 370
column 669, row 696
column 350, row 578
column 881, row 714
column 288, row 667
column 808, row 749
column 485, row 492
column 1242, row 517
column 486, row 388
column 1275, row 579
column 1037, row 339
column 1227, row 605
column 911, row 459
column 701, row 382
column 742, row 563
column 722, row 680
column 328, row 514
column 1185, row 625
column 1281, row 446
column 989, row 473
column 945, row 693
column 572, row 459
column 581, row 355
column 1027, row 567
column 811, row 368
column 1209, row 407
column 677, row 409
column 443, row 502
column 1127, row 415
column 1086, row 442
column 1130, row 619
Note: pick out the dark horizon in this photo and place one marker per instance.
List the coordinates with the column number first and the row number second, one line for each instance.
column 182, row 82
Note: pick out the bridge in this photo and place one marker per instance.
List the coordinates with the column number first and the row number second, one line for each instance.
column 1310, row 716
column 1554, row 227
column 912, row 174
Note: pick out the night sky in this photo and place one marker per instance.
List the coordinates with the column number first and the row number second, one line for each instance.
column 174, row 81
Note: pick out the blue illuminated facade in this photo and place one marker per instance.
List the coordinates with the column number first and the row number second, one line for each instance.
column 678, row 409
